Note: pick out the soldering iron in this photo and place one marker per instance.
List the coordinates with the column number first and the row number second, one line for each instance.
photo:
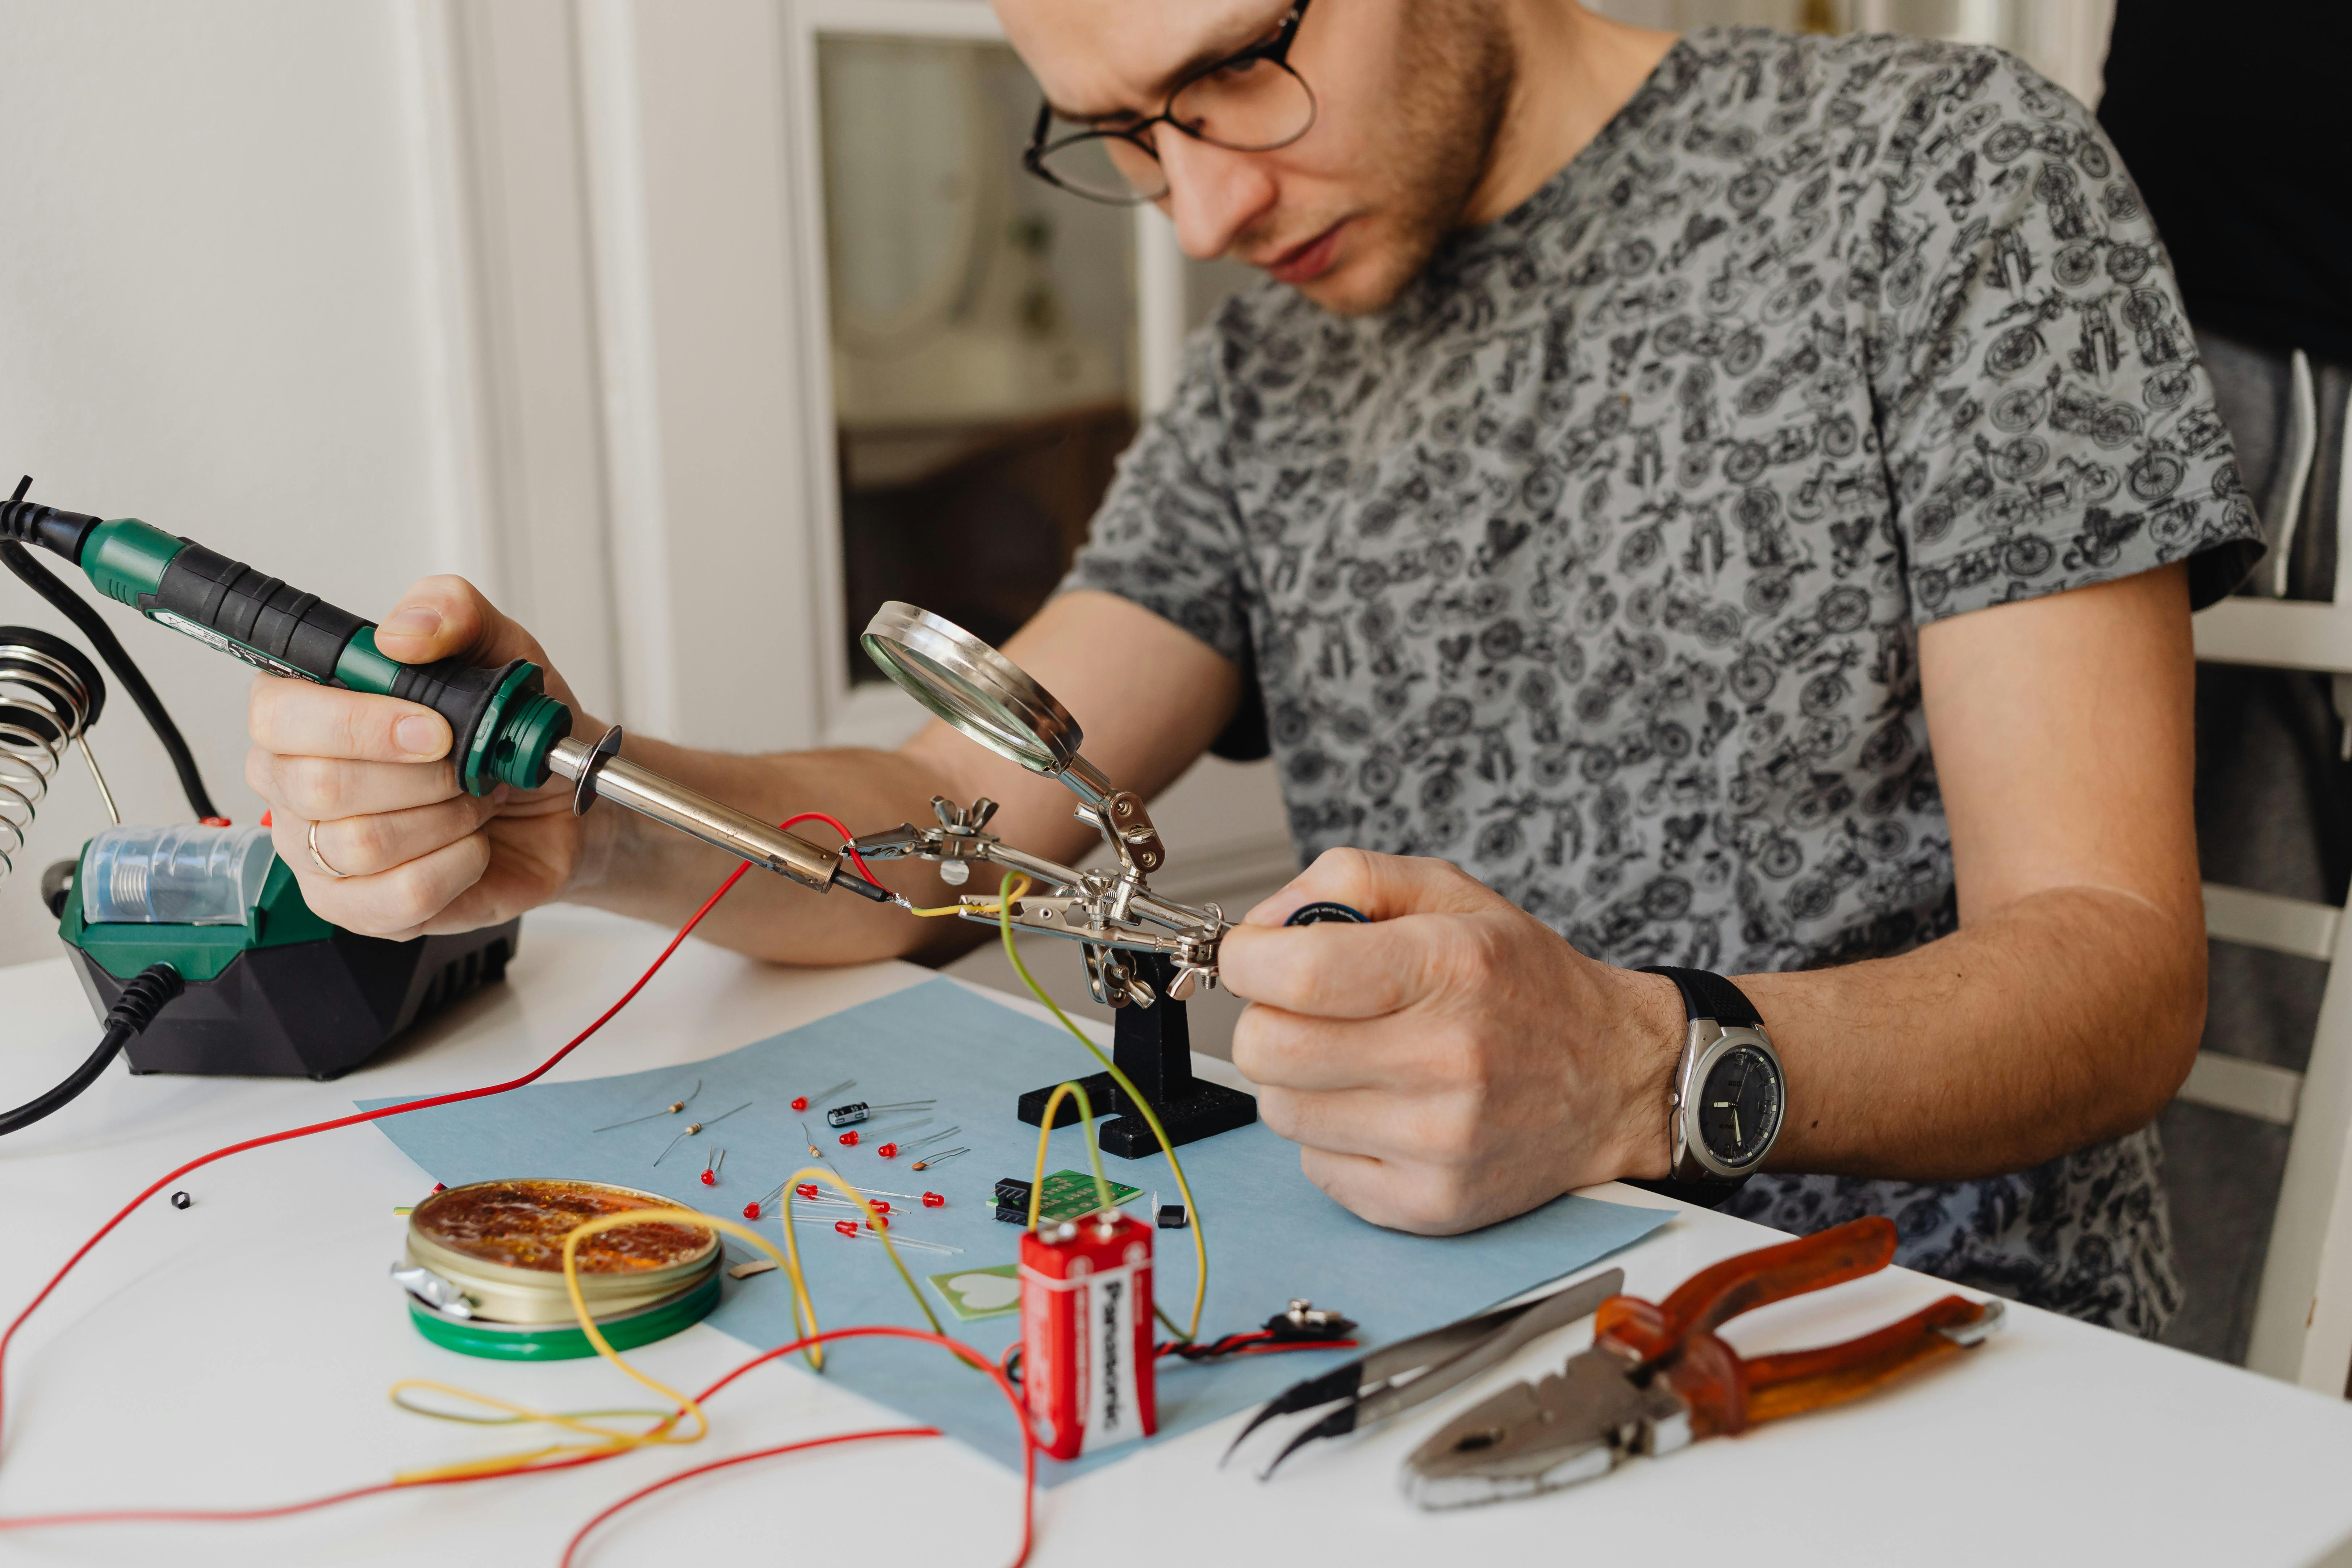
column 504, row 726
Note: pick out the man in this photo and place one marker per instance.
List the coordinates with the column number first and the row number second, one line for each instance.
column 1646, row 482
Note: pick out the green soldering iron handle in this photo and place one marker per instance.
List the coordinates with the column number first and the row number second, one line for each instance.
column 503, row 723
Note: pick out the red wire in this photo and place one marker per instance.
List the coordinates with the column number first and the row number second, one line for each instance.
column 957, row 1347
column 849, row 839
column 353, row 1121
column 572, row 1547
column 875, row 1330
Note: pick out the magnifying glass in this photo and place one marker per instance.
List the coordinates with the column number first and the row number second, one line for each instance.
column 981, row 694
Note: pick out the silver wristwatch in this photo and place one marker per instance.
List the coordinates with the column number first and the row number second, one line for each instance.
column 1729, row 1092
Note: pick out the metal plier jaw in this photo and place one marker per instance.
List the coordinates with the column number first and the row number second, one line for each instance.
column 1112, row 911
column 1657, row 1378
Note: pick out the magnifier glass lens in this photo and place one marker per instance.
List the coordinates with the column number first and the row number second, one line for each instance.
column 968, row 707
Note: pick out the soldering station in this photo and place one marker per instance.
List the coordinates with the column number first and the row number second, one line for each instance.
column 200, row 955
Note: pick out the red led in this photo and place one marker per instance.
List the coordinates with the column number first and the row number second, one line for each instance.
column 880, row 1205
column 934, row 1201
column 879, row 1222
column 847, row 1228
column 710, row 1178
column 807, row 1189
column 849, row 1139
column 439, row 1188
column 750, row 1211
column 800, row 1102
column 888, row 1150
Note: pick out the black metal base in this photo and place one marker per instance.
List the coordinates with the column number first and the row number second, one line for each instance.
column 1153, row 1046
column 314, row 1009
column 1209, row 1109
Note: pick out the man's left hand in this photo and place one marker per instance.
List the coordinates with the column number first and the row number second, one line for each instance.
column 1454, row 1062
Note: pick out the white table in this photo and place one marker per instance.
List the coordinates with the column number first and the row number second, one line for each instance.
column 237, row 1353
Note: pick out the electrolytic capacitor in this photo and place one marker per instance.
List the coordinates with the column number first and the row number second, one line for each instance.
column 858, row 1110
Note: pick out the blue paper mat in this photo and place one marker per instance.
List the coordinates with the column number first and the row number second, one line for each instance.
column 1270, row 1234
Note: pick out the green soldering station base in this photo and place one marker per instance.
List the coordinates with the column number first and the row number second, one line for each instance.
column 285, row 994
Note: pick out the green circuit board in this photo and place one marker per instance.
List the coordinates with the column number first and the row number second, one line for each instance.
column 1070, row 1195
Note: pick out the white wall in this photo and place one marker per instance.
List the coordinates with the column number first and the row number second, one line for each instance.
column 217, row 312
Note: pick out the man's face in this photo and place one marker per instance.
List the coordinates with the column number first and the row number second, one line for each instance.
column 1408, row 94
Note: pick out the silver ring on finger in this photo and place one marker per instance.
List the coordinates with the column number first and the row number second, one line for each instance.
column 320, row 860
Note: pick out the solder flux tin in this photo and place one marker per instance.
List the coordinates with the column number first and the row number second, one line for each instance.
column 501, row 1243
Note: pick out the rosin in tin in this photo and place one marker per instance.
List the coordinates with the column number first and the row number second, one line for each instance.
column 1086, row 1332
column 491, row 1254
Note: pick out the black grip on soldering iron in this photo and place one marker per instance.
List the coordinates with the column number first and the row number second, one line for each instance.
column 307, row 633
column 298, row 629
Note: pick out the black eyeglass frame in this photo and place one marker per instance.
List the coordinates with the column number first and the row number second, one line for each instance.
column 1274, row 51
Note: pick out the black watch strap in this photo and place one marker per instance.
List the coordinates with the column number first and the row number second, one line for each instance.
column 1704, row 1195
column 1712, row 996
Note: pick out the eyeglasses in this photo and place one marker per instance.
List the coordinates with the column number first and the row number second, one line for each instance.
column 1250, row 101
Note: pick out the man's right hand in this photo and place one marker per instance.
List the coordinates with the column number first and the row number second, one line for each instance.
column 418, row 855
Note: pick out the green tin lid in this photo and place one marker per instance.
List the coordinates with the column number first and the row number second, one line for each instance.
column 565, row 1341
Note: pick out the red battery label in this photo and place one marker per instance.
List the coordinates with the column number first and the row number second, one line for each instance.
column 1085, row 1333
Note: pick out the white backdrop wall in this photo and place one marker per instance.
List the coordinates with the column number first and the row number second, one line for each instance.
column 217, row 304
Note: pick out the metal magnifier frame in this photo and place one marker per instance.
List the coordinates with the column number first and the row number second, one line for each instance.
column 981, row 694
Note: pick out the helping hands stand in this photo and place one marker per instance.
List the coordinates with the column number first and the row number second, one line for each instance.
column 1145, row 955
column 1153, row 1046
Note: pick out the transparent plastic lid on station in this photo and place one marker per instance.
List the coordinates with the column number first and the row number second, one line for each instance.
column 183, row 875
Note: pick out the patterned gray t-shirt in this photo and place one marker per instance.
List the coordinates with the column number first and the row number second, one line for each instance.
column 1596, row 564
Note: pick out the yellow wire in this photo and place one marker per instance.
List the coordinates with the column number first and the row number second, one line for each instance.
column 517, row 1417
column 1045, row 1136
column 982, row 909
column 1200, row 1242
column 804, row 1324
column 612, row 1441
column 881, row 1231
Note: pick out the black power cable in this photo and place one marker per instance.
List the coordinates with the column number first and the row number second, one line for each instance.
column 101, row 636
column 136, row 1009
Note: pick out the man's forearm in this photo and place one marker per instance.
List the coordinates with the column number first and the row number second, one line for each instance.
column 2068, row 1017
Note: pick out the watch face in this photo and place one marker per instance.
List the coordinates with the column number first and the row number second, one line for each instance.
column 1739, row 1106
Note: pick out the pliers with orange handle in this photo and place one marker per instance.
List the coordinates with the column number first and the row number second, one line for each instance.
column 1657, row 1378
